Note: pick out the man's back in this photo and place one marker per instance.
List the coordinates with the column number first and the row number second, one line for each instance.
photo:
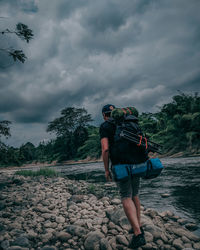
column 121, row 150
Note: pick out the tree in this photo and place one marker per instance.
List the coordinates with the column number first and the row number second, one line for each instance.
column 71, row 132
column 71, row 119
column 27, row 152
column 24, row 33
column 92, row 146
column 4, row 128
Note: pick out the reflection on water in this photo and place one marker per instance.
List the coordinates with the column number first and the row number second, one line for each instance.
column 180, row 178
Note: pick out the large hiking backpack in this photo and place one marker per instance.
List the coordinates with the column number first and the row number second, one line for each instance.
column 123, row 150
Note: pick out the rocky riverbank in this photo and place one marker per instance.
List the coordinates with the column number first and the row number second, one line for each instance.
column 57, row 213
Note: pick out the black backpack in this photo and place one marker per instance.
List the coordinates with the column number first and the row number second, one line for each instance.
column 123, row 151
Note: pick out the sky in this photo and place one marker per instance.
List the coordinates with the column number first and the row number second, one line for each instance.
column 87, row 53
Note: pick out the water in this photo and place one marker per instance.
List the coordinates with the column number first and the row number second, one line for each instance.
column 180, row 179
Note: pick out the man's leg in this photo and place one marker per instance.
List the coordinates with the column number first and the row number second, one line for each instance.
column 131, row 213
column 136, row 201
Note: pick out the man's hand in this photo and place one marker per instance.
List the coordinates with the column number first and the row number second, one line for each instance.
column 108, row 176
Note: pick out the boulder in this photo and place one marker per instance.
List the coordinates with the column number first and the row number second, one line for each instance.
column 116, row 215
column 104, row 244
column 92, row 240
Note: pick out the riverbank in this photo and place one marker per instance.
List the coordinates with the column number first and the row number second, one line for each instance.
column 57, row 213
column 92, row 160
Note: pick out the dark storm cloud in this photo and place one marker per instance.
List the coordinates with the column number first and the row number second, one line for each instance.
column 88, row 53
column 19, row 5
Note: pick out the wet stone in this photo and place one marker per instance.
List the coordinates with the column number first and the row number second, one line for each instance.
column 21, row 241
column 178, row 244
column 191, row 226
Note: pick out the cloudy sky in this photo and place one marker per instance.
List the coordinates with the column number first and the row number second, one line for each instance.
column 86, row 53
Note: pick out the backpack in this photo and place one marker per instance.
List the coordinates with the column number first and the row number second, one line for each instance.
column 123, row 150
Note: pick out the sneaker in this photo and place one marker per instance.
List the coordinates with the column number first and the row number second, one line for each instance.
column 137, row 241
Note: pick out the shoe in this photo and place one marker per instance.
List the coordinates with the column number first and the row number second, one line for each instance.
column 137, row 241
column 141, row 229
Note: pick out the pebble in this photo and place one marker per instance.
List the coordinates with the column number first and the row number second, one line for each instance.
column 165, row 195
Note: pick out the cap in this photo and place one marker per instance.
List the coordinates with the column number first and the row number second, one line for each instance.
column 107, row 108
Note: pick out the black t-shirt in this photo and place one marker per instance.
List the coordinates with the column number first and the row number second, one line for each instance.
column 123, row 152
column 107, row 130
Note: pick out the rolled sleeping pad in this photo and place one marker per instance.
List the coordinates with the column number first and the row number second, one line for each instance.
column 119, row 113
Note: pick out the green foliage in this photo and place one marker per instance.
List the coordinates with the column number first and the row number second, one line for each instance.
column 176, row 126
column 17, row 55
column 4, row 128
column 92, row 146
column 24, row 33
column 47, row 172
column 27, row 152
column 71, row 130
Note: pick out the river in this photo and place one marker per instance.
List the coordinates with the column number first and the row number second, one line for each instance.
column 180, row 179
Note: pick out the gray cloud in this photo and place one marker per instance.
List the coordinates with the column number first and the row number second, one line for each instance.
column 88, row 53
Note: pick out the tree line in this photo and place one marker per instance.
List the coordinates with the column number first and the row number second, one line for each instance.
column 175, row 126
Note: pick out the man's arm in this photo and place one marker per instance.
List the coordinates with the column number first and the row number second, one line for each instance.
column 105, row 155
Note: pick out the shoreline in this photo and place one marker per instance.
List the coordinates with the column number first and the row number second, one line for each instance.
column 58, row 213
column 88, row 161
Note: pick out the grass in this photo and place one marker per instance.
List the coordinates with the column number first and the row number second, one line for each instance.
column 47, row 172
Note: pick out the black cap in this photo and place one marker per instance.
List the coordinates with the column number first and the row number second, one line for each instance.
column 108, row 108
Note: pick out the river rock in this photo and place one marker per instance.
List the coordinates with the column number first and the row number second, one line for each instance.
column 17, row 248
column 21, row 241
column 185, row 239
column 46, row 216
column 92, row 240
column 182, row 232
column 165, row 195
column 63, row 236
column 116, row 201
column 76, row 230
column 182, row 221
column 148, row 237
column 60, row 219
column 196, row 245
column 178, row 244
column 49, row 248
column 104, row 244
column 104, row 229
column 122, row 240
column 154, row 230
column 5, row 244
column 2, row 205
column 114, row 216
column 148, row 246
column 191, row 226
column 77, row 198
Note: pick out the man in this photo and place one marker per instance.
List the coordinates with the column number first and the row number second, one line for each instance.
column 128, row 189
